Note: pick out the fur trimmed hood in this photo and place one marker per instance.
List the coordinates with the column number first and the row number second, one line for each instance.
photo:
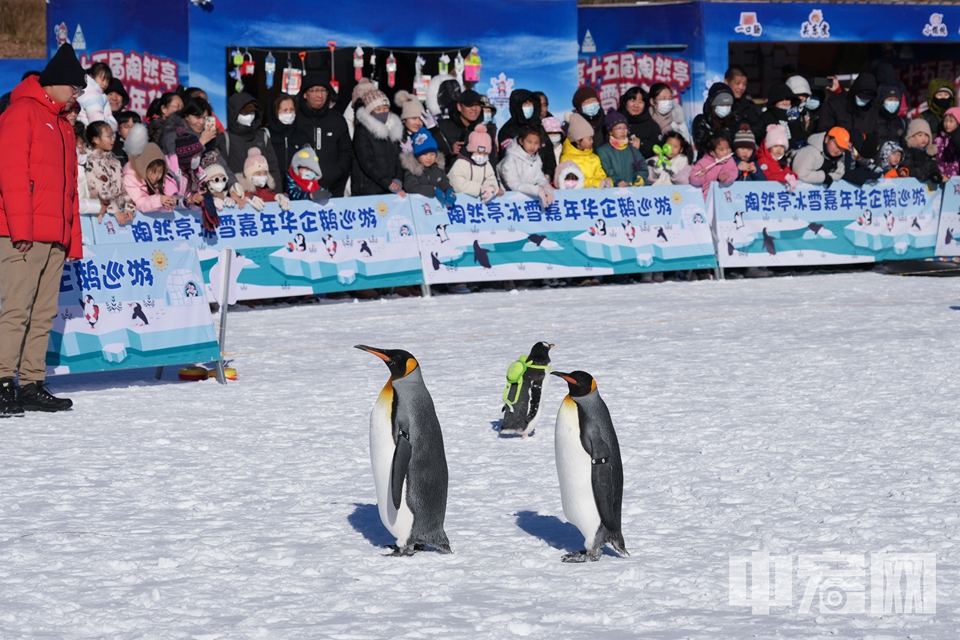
column 392, row 130
column 569, row 166
column 412, row 165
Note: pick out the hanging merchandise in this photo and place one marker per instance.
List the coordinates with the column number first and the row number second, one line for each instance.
column 270, row 67
column 292, row 78
column 444, row 66
column 391, row 71
column 249, row 67
column 472, row 66
column 418, row 65
column 332, row 45
column 357, row 63
column 236, row 57
column 235, row 74
column 373, row 69
column 458, row 68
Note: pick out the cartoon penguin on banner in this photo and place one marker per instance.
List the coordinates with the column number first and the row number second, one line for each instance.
column 406, row 452
column 589, row 467
column 91, row 311
column 526, row 383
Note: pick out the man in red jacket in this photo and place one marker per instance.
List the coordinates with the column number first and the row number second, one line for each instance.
column 39, row 226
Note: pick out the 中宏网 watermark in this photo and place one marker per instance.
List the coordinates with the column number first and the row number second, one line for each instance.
column 834, row 583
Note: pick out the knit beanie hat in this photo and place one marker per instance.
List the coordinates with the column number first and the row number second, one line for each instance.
column 552, row 124
column 306, row 157
column 363, row 86
column 212, row 167
column 614, row 118
column 187, row 145
column 776, row 136
column 918, row 126
column 578, row 128
column 799, row 85
column 953, row 111
column 255, row 162
column 423, row 142
column 63, row 69
column 479, row 140
column 409, row 104
column 582, row 95
column 137, row 139
column 745, row 138
column 375, row 98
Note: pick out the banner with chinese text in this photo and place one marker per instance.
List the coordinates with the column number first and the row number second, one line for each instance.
column 763, row 224
column 585, row 232
column 948, row 245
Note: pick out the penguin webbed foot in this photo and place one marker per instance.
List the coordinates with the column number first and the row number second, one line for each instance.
column 580, row 556
column 398, row 551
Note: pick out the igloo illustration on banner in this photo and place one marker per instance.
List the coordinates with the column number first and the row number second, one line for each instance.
column 749, row 24
column 183, row 288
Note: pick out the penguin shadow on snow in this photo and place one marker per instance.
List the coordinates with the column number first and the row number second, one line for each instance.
column 554, row 531
column 365, row 519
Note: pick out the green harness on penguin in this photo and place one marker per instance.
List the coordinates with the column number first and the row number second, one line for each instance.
column 515, row 377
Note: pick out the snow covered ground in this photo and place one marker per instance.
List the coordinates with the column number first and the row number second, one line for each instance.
column 790, row 415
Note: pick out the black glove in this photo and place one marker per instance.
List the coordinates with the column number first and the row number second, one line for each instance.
column 827, row 182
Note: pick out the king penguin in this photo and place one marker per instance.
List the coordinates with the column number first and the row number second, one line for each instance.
column 589, row 467
column 521, row 412
column 406, row 452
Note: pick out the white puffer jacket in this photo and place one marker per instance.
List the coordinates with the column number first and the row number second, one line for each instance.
column 519, row 171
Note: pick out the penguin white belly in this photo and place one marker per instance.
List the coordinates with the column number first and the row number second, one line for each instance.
column 536, row 419
column 574, row 468
column 398, row 522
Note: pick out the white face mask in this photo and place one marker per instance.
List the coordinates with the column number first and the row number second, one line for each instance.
column 260, row 181
column 664, row 106
column 309, row 175
column 591, row 109
column 479, row 159
column 778, row 158
column 527, row 112
column 194, row 162
column 217, row 184
column 287, row 118
column 722, row 111
column 812, row 104
column 555, row 140
column 246, row 119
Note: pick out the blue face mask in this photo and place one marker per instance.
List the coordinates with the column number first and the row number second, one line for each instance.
column 722, row 111
column 528, row 112
column 891, row 106
column 487, row 118
column 812, row 104
column 591, row 109
column 861, row 103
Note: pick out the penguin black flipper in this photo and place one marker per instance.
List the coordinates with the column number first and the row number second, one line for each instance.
column 606, row 477
column 398, row 470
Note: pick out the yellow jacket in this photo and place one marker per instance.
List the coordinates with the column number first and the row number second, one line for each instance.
column 588, row 161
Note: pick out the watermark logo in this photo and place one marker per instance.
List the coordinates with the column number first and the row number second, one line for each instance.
column 896, row 583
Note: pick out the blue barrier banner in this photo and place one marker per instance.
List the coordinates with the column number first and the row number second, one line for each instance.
column 125, row 306
column 585, row 232
column 763, row 224
column 947, row 244
column 349, row 243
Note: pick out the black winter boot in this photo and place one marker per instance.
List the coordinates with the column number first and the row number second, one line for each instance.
column 35, row 397
column 8, row 399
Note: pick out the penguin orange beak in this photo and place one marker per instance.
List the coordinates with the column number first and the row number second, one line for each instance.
column 375, row 352
column 564, row 376
column 552, row 345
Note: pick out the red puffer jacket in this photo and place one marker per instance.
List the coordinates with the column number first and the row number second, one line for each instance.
column 38, row 171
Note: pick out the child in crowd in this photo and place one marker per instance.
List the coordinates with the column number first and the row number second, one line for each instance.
column 125, row 121
column 149, row 183
column 471, row 172
column 920, row 155
column 772, row 157
column 189, row 151
column 554, row 129
column 891, row 155
column 303, row 177
column 569, row 176
column 104, row 175
column 674, row 162
column 578, row 147
column 948, row 143
column 521, row 168
column 716, row 165
column 258, row 183
column 745, row 149
column 94, row 103
column 424, row 169
column 217, row 181
column 621, row 159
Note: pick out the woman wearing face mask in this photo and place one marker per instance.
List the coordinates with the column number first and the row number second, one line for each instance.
column 855, row 109
column 809, row 111
column 666, row 111
column 890, row 126
column 525, row 110
column 783, row 109
column 244, row 132
column 717, row 117
column 376, row 147
column 941, row 95
column 586, row 102
column 644, row 132
column 285, row 137
column 554, row 130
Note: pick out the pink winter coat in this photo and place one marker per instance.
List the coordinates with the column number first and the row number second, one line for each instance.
column 725, row 173
column 150, row 203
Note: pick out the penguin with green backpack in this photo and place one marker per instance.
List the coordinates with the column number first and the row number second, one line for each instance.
column 526, row 383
